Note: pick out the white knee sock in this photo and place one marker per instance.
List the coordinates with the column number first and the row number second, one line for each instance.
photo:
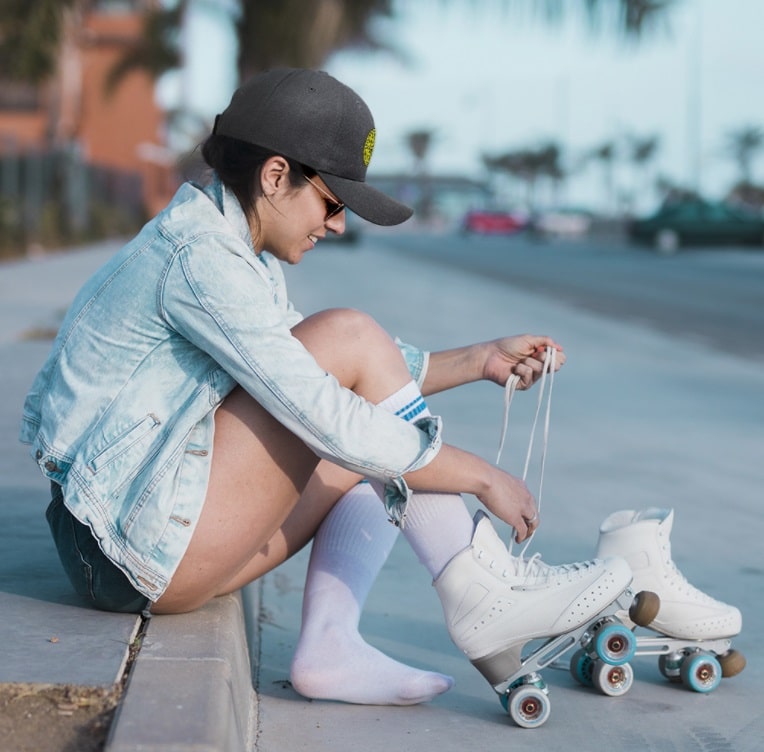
column 438, row 526
column 332, row 661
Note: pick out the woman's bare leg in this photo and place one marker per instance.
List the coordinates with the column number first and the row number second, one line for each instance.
column 268, row 492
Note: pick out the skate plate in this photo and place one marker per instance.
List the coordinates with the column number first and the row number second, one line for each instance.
column 605, row 644
column 699, row 665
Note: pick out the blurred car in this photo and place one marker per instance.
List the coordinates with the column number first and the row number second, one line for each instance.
column 493, row 222
column 698, row 222
column 564, row 222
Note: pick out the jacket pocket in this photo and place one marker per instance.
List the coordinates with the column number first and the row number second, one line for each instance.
column 123, row 443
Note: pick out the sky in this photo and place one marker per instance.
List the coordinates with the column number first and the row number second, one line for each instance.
column 488, row 81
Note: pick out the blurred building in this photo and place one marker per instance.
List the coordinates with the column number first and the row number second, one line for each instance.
column 120, row 133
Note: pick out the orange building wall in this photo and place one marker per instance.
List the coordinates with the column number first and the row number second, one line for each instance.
column 112, row 126
column 109, row 128
column 22, row 131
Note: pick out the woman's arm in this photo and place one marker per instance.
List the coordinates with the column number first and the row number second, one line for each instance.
column 454, row 470
column 494, row 361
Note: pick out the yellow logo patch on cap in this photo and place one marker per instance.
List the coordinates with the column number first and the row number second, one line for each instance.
column 368, row 147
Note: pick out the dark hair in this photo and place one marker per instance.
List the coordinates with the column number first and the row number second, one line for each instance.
column 239, row 164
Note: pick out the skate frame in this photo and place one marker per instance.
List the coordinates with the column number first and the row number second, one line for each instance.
column 553, row 649
column 662, row 645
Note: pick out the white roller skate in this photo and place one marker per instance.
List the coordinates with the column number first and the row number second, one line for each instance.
column 495, row 604
column 695, row 630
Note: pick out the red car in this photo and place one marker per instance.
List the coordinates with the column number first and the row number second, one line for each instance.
column 492, row 222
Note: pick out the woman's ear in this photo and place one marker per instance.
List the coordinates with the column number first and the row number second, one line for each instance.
column 274, row 176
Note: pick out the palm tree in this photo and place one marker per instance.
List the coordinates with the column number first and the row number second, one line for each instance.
column 30, row 35
column 419, row 143
column 743, row 145
column 34, row 36
column 606, row 153
column 271, row 32
column 292, row 32
column 642, row 151
column 38, row 45
column 529, row 165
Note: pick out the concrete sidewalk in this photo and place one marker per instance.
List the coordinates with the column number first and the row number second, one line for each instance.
column 638, row 419
column 190, row 686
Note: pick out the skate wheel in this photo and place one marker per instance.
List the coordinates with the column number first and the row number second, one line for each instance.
column 644, row 608
column 528, row 706
column 670, row 666
column 615, row 644
column 701, row 672
column 732, row 663
column 613, row 680
column 581, row 666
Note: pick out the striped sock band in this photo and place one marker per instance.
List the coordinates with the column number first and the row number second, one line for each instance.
column 407, row 403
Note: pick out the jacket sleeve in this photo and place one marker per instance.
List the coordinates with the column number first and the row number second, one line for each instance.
column 225, row 301
column 417, row 361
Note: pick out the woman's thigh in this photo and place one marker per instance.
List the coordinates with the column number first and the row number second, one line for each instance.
column 268, row 492
column 259, row 470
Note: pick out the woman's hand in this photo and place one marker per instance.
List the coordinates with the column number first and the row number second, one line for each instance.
column 495, row 361
column 522, row 355
column 510, row 500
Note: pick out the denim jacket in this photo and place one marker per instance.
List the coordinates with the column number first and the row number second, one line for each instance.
column 122, row 413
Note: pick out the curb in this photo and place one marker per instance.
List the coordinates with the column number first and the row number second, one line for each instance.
column 191, row 687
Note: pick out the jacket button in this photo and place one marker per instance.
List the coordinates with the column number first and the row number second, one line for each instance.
column 51, row 466
column 38, row 454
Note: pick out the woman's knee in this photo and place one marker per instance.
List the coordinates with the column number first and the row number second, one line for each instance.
column 340, row 324
column 349, row 344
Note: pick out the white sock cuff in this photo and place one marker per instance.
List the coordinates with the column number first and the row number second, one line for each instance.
column 426, row 509
column 357, row 527
column 438, row 526
column 406, row 403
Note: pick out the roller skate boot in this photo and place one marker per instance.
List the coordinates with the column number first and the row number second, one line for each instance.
column 695, row 629
column 495, row 604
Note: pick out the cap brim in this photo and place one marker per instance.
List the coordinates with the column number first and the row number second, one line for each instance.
column 367, row 202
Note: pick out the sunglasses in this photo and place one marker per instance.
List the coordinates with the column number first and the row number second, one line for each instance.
column 333, row 207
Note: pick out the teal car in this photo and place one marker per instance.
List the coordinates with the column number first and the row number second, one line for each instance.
column 698, row 222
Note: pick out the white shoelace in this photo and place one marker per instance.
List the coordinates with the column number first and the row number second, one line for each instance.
column 550, row 361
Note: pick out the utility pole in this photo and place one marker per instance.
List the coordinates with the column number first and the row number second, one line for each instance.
column 695, row 100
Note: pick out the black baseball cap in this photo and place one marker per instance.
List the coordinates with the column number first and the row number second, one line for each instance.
column 309, row 116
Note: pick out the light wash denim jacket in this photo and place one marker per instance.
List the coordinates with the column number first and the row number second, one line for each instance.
column 121, row 414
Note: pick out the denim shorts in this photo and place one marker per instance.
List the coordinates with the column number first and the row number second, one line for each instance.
column 91, row 572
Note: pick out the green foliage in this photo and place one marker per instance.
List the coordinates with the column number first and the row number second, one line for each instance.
column 529, row 164
column 30, row 35
column 295, row 33
column 274, row 32
column 158, row 50
column 743, row 144
column 59, row 201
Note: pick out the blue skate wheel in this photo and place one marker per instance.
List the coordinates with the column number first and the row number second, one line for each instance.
column 581, row 667
column 701, row 672
column 615, row 644
column 528, row 706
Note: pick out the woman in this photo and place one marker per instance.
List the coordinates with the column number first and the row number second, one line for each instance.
column 197, row 431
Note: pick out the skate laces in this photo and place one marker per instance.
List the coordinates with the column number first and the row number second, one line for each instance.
column 684, row 586
column 535, row 570
column 533, row 566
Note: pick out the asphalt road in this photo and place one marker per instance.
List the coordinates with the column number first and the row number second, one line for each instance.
column 710, row 295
